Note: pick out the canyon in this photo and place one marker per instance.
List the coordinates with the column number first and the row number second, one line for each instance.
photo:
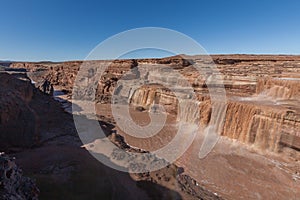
column 237, row 117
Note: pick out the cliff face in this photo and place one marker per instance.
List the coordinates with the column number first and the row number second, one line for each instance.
column 267, row 117
column 59, row 74
column 24, row 113
column 18, row 122
column 260, row 124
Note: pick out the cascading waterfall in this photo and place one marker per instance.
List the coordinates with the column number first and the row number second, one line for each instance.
column 258, row 125
column 278, row 88
column 244, row 119
column 238, row 121
column 189, row 111
column 218, row 116
column 213, row 131
column 268, row 131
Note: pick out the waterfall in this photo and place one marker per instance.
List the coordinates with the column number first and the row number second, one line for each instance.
column 189, row 111
column 258, row 125
column 278, row 88
column 238, row 121
column 213, row 131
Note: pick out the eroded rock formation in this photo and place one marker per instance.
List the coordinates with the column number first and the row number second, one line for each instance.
column 13, row 185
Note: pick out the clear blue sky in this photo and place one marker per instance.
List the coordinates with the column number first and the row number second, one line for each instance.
column 68, row 30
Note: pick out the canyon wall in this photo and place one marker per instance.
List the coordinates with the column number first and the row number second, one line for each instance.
column 253, row 120
column 263, row 113
column 261, row 107
column 262, row 92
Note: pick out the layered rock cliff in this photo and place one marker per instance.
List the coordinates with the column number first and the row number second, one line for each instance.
column 262, row 91
column 24, row 113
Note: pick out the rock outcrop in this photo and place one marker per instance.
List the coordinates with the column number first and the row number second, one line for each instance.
column 13, row 185
column 18, row 122
column 28, row 117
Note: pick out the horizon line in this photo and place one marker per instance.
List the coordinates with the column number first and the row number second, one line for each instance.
column 158, row 57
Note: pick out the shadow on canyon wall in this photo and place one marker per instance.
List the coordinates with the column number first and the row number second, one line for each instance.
column 43, row 139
